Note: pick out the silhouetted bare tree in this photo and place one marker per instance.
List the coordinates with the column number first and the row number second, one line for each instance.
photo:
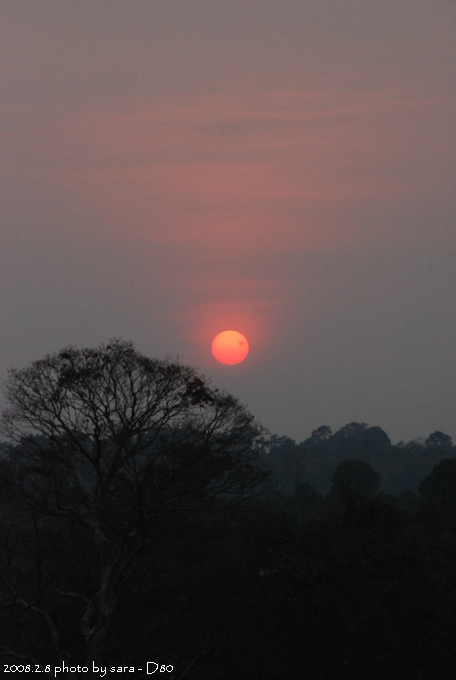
column 108, row 445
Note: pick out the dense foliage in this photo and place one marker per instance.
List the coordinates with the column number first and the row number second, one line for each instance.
column 400, row 466
column 137, row 522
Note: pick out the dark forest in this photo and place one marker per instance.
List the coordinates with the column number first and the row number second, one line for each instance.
column 146, row 517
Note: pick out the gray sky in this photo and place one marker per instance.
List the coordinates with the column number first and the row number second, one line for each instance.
column 171, row 169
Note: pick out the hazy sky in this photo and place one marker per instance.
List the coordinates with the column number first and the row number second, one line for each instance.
column 174, row 168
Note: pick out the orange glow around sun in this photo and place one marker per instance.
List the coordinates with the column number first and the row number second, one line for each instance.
column 230, row 347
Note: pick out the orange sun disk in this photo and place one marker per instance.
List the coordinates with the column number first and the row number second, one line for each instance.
column 230, row 347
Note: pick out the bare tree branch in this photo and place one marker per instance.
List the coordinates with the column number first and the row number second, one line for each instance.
column 114, row 443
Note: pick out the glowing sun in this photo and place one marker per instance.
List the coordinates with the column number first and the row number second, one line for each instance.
column 230, row 347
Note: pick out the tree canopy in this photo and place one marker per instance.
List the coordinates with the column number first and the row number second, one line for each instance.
column 112, row 443
column 121, row 538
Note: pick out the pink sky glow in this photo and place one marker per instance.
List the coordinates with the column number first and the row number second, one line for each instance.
column 170, row 171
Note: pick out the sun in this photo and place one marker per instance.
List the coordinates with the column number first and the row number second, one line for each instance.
column 230, row 347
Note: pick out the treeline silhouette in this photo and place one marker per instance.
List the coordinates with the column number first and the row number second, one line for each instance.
column 402, row 466
column 145, row 516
